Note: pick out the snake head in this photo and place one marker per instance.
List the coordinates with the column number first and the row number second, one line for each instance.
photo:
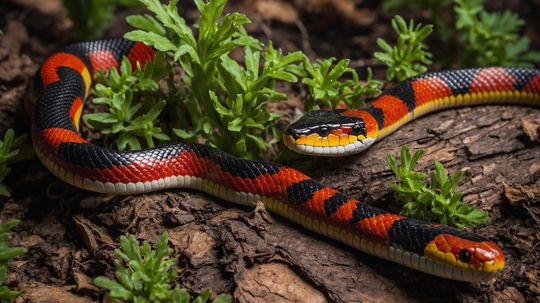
column 328, row 133
column 483, row 257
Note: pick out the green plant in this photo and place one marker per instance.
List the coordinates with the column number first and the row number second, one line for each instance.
column 6, row 254
column 133, row 100
column 12, row 149
column 436, row 9
column 491, row 38
column 146, row 275
column 409, row 57
column 437, row 202
column 92, row 17
column 325, row 87
column 226, row 102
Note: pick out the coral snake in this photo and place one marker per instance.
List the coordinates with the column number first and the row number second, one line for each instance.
column 65, row 79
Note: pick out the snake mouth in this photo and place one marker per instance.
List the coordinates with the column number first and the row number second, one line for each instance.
column 346, row 146
column 441, row 269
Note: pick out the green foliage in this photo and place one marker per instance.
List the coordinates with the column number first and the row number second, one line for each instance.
column 436, row 9
column 6, row 254
column 437, row 202
column 226, row 102
column 325, row 87
column 491, row 38
column 92, row 17
column 12, row 149
column 133, row 100
column 147, row 276
column 483, row 38
column 410, row 56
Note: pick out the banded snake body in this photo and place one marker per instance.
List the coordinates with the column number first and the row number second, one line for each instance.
column 65, row 79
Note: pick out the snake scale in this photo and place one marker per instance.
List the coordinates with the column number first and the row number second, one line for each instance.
column 65, row 80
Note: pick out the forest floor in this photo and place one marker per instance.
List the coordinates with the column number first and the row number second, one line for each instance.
column 254, row 255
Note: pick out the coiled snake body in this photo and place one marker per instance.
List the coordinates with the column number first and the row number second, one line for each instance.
column 439, row 250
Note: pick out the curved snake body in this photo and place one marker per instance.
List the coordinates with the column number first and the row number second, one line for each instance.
column 345, row 132
column 439, row 250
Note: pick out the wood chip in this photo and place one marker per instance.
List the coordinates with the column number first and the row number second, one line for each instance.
column 531, row 128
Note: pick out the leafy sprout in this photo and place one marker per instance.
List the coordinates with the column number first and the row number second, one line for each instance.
column 326, row 88
column 12, row 149
column 439, row 201
column 134, row 102
column 146, row 275
column 410, row 56
column 492, row 38
column 7, row 253
column 226, row 101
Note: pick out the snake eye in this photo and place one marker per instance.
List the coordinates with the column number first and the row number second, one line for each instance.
column 357, row 129
column 464, row 256
column 324, row 131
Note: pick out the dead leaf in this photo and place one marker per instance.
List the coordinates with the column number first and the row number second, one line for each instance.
column 84, row 282
column 530, row 128
column 93, row 236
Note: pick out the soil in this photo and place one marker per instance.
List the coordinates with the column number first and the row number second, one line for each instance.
column 254, row 255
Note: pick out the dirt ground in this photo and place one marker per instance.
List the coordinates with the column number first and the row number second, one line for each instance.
column 253, row 255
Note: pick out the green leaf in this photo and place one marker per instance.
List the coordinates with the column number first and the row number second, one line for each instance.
column 116, row 290
column 4, row 191
column 285, row 76
column 222, row 110
column 223, row 299
column 96, row 119
column 240, row 145
column 157, row 41
column 149, row 117
column 186, row 135
column 8, row 253
column 236, row 125
column 249, row 122
column 258, row 141
column 146, row 23
column 252, row 61
column 238, row 105
column 128, row 141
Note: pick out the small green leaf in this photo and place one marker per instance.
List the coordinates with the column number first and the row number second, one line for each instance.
column 285, row 76
column 238, row 105
column 259, row 142
column 235, row 125
column 157, row 41
column 146, row 23
column 240, row 145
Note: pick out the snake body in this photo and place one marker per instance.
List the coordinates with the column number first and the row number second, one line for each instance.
column 65, row 79
column 345, row 132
